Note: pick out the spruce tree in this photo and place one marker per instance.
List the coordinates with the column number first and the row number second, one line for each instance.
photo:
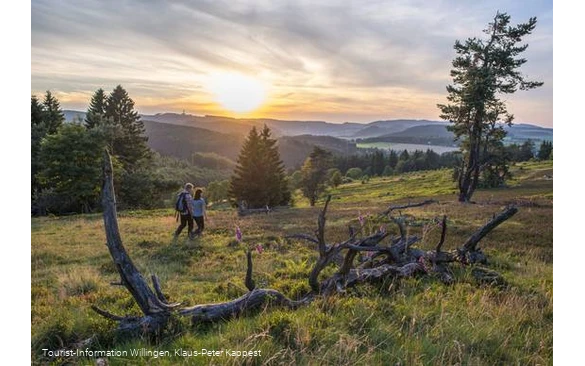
column 129, row 142
column 96, row 113
column 483, row 70
column 259, row 178
column 36, row 111
column 276, row 183
column 245, row 184
column 53, row 116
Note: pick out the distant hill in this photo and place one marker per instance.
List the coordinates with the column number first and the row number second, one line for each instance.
column 243, row 125
column 384, row 128
column 295, row 149
column 437, row 134
column 522, row 132
column 397, row 131
column 182, row 141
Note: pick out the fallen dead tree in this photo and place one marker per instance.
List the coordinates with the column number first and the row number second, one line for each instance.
column 394, row 259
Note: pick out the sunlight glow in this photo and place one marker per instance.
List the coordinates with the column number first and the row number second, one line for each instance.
column 237, row 93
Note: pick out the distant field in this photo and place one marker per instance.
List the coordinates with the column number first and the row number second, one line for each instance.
column 410, row 147
column 418, row 321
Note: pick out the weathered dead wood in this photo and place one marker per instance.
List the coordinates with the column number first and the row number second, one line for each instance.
column 396, row 259
column 443, row 233
column 408, row 205
column 472, row 241
column 254, row 299
column 129, row 274
column 154, row 305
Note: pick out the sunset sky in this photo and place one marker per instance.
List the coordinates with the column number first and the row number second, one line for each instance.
column 337, row 61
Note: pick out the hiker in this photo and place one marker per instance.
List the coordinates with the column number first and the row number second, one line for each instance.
column 184, row 208
column 199, row 213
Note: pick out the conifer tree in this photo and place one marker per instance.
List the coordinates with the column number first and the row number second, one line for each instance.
column 259, row 177
column 482, row 71
column 129, row 142
column 276, row 183
column 36, row 111
column 53, row 116
column 96, row 113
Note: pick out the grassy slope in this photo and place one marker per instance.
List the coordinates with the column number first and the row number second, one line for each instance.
column 416, row 321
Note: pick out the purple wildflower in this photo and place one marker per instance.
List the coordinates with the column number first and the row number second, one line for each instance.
column 259, row 248
column 238, row 234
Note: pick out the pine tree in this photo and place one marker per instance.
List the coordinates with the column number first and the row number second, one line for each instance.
column 53, row 116
column 259, row 177
column 96, row 112
column 129, row 141
column 314, row 173
column 482, row 70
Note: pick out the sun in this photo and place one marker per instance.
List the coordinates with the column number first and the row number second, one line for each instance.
column 237, row 93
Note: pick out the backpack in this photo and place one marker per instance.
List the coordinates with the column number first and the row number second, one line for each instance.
column 180, row 204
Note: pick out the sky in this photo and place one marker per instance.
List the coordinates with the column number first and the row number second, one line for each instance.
column 349, row 61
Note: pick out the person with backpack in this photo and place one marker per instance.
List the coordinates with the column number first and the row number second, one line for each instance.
column 199, row 214
column 184, row 210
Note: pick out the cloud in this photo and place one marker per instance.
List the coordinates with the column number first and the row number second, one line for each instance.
column 337, row 47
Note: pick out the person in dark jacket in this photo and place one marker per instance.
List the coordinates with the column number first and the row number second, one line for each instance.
column 185, row 202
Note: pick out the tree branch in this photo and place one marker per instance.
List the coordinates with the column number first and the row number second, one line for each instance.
column 107, row 314
column 443, row 233
column 321, row 228
column 408, row 205
column 472, row 241
column 148, row 302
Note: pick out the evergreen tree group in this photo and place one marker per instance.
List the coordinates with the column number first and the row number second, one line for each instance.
column 66, row 157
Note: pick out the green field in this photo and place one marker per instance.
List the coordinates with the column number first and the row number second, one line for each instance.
column 397, row 146
column 418, row 321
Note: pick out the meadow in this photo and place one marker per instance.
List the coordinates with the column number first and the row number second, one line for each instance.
column 398, row 146
column 416, row 321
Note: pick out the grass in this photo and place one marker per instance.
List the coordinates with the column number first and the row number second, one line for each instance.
column 418, row 321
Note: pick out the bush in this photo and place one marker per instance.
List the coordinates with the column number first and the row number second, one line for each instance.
column 354, row 173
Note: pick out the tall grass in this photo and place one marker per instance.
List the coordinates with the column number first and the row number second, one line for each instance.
column 417, row 321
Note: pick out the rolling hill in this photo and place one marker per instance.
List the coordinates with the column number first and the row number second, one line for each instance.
column 182, row 134
column 437, row 134
column 182, row 141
